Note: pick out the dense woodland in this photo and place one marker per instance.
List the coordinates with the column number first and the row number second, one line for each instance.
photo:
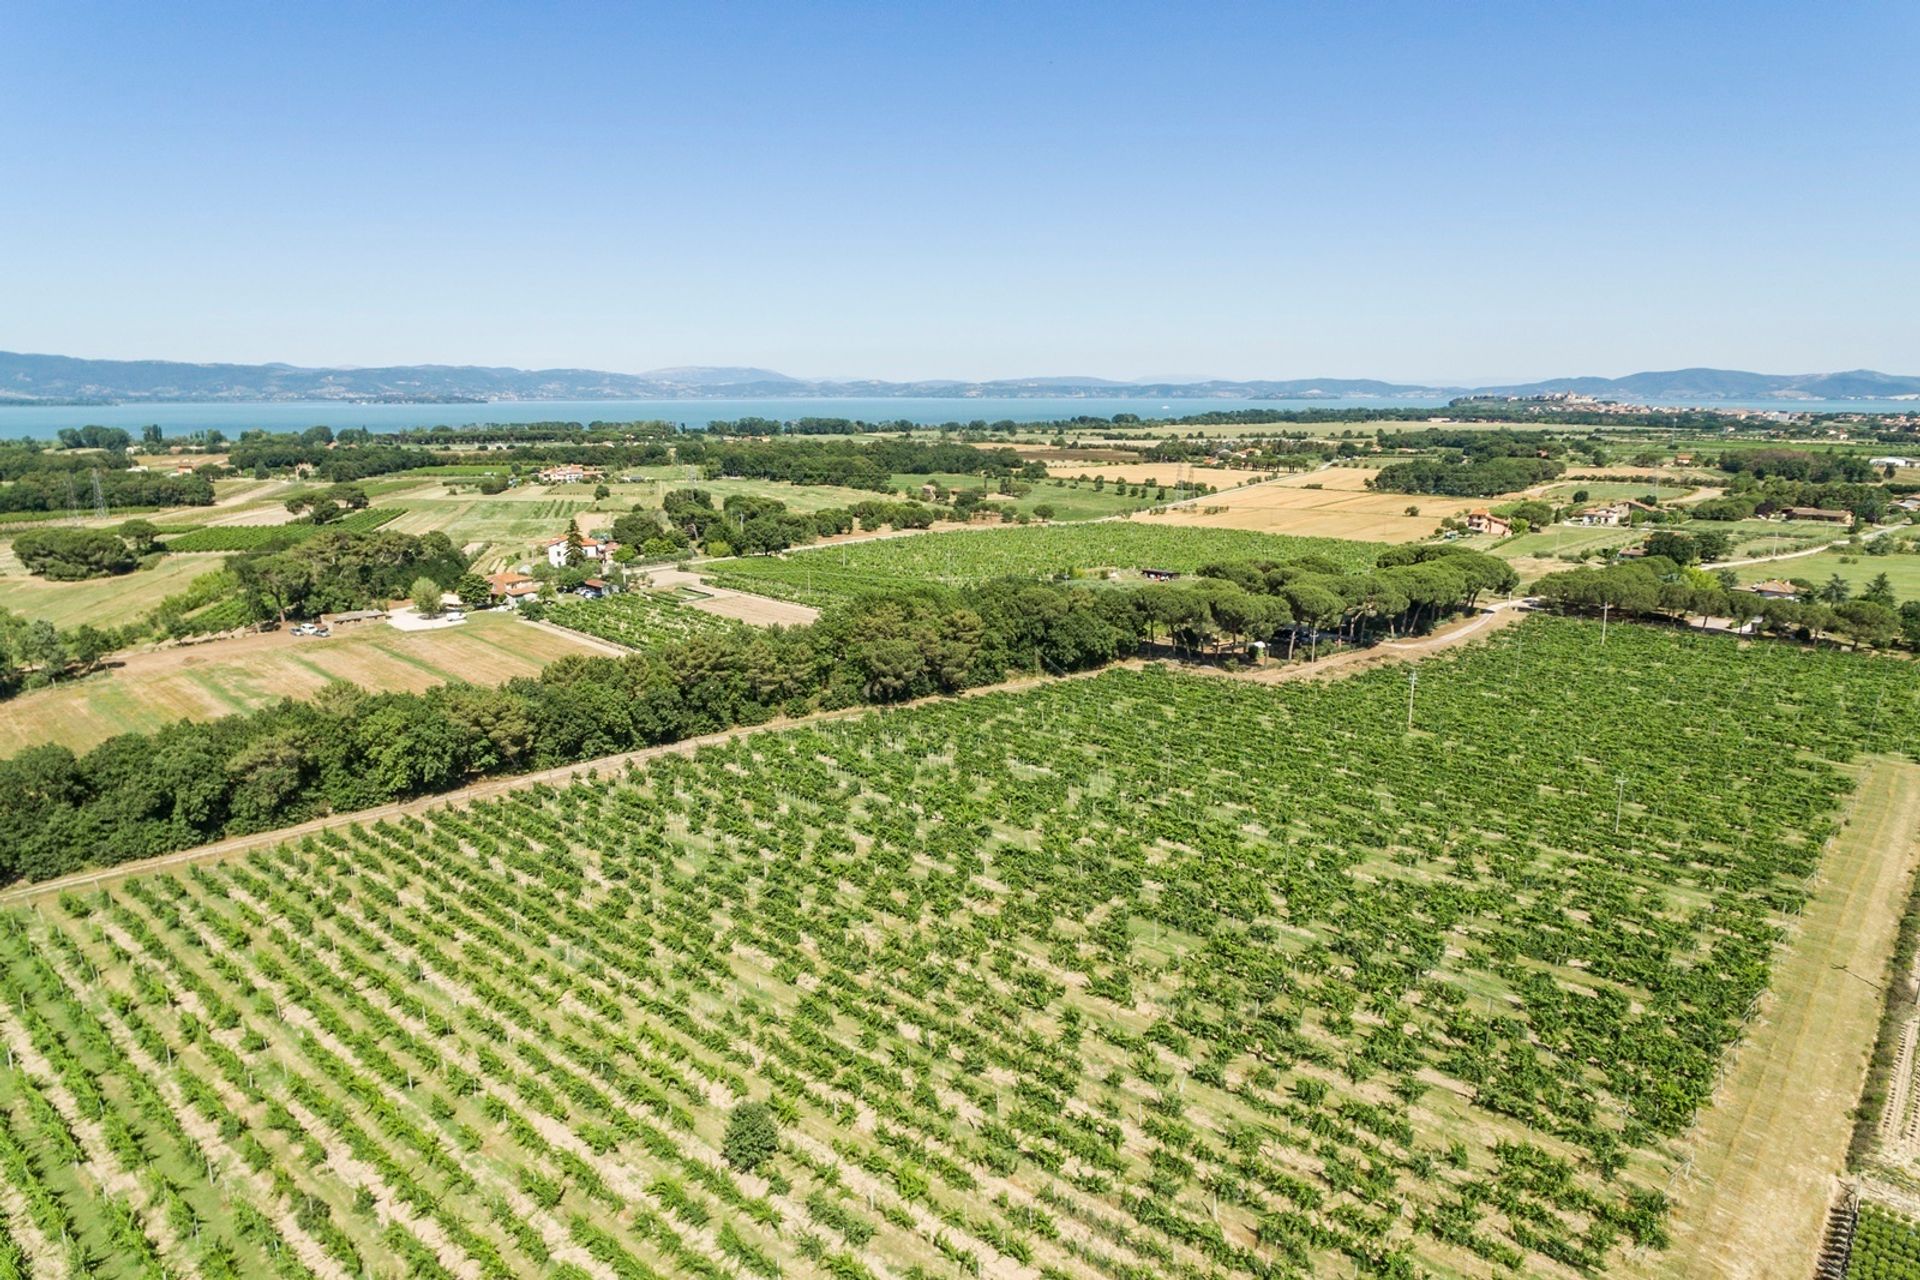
column 1472, row 464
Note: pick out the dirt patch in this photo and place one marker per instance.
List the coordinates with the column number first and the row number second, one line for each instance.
column 1331, row 503
column 755, row 610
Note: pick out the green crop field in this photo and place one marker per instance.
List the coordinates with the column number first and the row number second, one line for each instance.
column 502, row 527
column 638, row 619
column 253, row 537
column 824, row 575
column 104, row 602
column 1067, row 500
column 1138, row 975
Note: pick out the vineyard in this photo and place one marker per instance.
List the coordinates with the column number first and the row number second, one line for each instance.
column 638, row 619
column 826, row 575
column 1886, row 1246
column 261, row 537
column 1133, row 976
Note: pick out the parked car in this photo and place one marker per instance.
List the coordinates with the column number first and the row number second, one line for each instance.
column 307, row 629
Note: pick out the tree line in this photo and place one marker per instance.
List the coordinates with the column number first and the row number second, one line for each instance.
column 747, row 524
column 1466, row 477
column 143, row 794
column 69, row 555
column 1656, row 588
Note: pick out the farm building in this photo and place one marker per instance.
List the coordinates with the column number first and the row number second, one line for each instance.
column 511, row 588
column 1774, row 589
column 1894, row 462
column 571, row 473
column 1487, row 522
column 1827, row 514
column 1609, row 515
column 594, row 589
column 590, row 549
column 351, row 616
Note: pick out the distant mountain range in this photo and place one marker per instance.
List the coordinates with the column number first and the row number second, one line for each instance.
column 43, row 378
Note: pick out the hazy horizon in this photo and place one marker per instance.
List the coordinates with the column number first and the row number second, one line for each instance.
column 1457, row 196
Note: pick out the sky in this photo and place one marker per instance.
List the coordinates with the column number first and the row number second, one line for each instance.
column 1424, row 192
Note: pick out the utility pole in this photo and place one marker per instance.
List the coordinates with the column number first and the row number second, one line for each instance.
column 1413, row 680
column 1604, row 610
column 1619, row 802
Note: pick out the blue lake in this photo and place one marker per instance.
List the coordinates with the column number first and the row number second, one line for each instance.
column 41, row 421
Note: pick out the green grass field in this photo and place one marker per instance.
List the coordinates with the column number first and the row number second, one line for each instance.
column 103, row 602
column 1607, row 490
column 1902, row 570
column 825, row 575
column 1067, row 501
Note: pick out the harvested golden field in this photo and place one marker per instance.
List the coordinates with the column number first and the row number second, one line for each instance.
column 205, row 681
column 1334, row 503
column 1166, row 473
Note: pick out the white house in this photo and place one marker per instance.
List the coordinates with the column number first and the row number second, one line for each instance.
column 1609, row 515
column 590, row 549
column 571, row 473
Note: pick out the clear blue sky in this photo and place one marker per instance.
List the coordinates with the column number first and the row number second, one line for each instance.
column 1419, row 191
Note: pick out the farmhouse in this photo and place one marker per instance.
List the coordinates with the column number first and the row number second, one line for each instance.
column 590, row 549
column 511, row 588
column 1827, row 514
column 1774, row 589
column 571, row 473
column 1487, row 522
column 1609, row 515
